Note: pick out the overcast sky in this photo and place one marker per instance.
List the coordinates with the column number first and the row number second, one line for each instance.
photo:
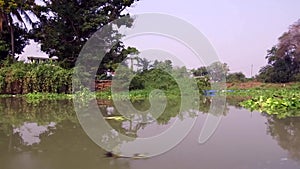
column 240, row 30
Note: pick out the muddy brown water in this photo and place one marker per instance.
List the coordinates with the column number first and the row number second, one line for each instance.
column 47, row 135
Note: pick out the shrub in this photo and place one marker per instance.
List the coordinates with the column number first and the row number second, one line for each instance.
column 22, row 78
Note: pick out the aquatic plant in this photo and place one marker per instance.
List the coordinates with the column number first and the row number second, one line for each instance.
column 280, row 103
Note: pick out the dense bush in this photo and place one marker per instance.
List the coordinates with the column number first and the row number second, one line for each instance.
column 236, row 77
column 21, row 78
column 164, row 80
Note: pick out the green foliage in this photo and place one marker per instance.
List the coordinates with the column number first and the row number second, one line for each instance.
column 38, row 97
column 203, row 83
column 64, row 33
column 83, row 97
column 163, row 65
column 20, row 41
column 281, row 103
column 13, row 30
column 284, row 58
column 22, row 78
column 159, row 79
column 236, row 77
column 134, row 95
column 201, row 71
column 16, row 111
column 280, row 69
column 137, row 83
column 160, row 75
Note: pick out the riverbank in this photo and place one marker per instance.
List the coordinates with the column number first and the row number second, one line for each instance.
column 280, row 100
column 260, row 85
column 134, row 95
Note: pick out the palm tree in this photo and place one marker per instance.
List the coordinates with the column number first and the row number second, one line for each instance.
column 14, row 9
column 132, row 57
column 144, row 63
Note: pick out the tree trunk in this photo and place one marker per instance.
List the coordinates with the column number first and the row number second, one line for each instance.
column 131, row 59
column 12, row 38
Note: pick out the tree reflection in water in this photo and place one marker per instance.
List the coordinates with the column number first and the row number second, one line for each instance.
column 31, row 121
column 30, row 125
column 58, row 141
column 287, row 133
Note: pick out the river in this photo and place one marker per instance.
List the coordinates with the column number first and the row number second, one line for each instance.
column 47, row 135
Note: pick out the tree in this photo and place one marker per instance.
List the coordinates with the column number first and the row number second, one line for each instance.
column 132, row 55
column 164, row 65
column 116, row 56
column 284, row 58
column 218, row 71
column 20, row 41
column 265, row 74
column 280, row 69
column 15, row 11
column 289, row 43
column 236, row 77
column 144, row 64
column 65, row 26
column 201, row 71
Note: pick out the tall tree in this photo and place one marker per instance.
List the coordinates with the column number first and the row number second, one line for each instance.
column 284, row 58
column 289, row 43
column 20, row 41
column 165, row 65
column 144, row 64
column 12, row 11
column 66, row 25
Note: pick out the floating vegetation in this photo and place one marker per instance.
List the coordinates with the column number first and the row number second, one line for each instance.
column 37, row 97
column 280, row 103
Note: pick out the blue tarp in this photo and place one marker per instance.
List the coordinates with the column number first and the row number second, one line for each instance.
column 213, row 92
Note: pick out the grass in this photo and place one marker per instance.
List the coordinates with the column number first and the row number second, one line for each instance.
column 134, row 95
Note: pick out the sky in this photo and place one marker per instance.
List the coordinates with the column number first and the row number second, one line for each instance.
column 241, row 31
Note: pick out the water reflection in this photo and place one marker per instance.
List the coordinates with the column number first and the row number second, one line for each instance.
column 67, row 147
column 48, row 135
column 30, row 133
column 287, row 133
column 121, row 136
column 16, row 112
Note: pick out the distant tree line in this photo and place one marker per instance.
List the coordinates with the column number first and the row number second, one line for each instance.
column 218, row 71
